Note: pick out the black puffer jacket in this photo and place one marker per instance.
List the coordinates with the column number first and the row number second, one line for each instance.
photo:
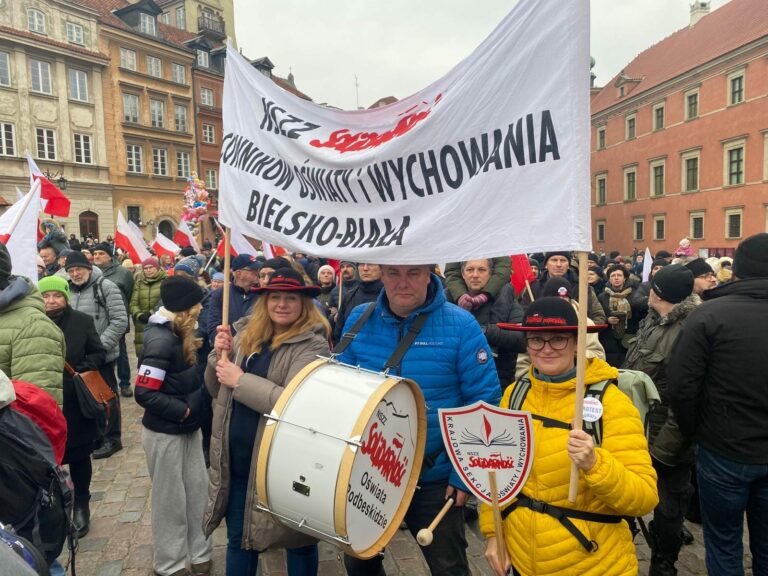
column 165, row 384
column 718, row 372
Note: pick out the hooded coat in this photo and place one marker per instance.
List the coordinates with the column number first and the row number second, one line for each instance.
column 31, row 346
column 622, row 482
column 102, row 300
column 144, row 299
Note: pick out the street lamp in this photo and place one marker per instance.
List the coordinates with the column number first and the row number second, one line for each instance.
column 56, row 178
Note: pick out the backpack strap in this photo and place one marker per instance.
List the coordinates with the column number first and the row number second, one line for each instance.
column 402, row 347
column 347, row 338
column 595, row 429
column 99, row 297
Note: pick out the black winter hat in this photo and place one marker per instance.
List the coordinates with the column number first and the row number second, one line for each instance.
column 699, row 267
column 104, row 247
column 566, row 255
column 659, row 262
column 557, row 286
column 673, row 283
column 593, row 257
column 662, row 254
column 77, row 259
column 5, row 266
column 179, row 293
column 276, row 263
column 187, row 251
column 751, row 258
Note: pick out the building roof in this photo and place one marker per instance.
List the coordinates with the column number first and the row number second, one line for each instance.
column 290, row 87
column 166, row 33
column 54, row 43
column 737, row 23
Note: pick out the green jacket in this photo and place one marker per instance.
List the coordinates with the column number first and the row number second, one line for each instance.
column 502, row 268
column 31, row 346
column 146, row 295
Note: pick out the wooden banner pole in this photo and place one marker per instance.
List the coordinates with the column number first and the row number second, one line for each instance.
column 225, row 294
column 581, row 365
column 528, row 288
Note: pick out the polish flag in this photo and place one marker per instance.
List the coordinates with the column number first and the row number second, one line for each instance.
column 184, row 237
column 127, row 239
column 238, row 244
column 53, row 200
column 164, row 245
column 272, row 251
column 18, row 231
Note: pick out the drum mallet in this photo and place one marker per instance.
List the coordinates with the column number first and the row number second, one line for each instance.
column 424, row 536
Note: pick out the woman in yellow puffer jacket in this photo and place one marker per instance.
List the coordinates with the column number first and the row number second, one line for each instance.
column 616, row 479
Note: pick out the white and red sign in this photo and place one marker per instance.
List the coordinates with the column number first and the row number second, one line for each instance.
column 481, row 438
column 150, row 377
column 491, row 159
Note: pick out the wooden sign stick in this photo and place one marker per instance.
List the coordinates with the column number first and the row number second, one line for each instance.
column 225, row 294
column 501, row 544
column 581, row 365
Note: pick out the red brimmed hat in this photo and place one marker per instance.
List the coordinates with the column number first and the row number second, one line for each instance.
column 288, row 280
column 550, row 314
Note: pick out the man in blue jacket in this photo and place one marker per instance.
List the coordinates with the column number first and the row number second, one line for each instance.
column 451, row 361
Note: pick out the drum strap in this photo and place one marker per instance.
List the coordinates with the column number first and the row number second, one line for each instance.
column 397, row 356
column 347, row 338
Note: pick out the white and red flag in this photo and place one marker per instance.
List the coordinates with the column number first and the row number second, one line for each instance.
column 164, row 245
column 53, row 200
column 184, row 237
column 238, row 244
column 18, row 231
column 272, row 251
column 127, row 239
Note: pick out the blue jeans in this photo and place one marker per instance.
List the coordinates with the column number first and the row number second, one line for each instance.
column 727, row 490
column 123, row 366
column 302, row 561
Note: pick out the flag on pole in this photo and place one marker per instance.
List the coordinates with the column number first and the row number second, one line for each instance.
column 272, row 251
column 164, row 245
column 53, row 200
column 521, row 271
column 238, row 244
column 647, row 264
column 18, row 231
column 127, row 239
column 184, row 237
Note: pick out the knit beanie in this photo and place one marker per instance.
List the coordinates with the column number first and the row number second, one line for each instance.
column 190, row 265
column 151, row 261
column 104, row 247
column 557, row 286
column 276, row 263
column 699, row 267
column 751, row 257
column 54, row 284
column 326, row 267
column 662, row 254
column 673, row 283
column 534, row 262
column 593, row 257
column 5, row 266
column 659, row 262
column 179, row 293
column 187, row 251
column 566, row 255
column 77, row 259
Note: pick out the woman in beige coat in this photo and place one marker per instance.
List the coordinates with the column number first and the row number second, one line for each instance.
column 284, row 333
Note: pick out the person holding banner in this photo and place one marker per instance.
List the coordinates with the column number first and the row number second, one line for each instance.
column 284, row 333
column 544, row 533
column 452, row 363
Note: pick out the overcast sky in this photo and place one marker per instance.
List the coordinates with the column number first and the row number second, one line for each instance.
column 396, row 47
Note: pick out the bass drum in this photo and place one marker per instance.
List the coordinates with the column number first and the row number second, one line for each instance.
column 341, row 455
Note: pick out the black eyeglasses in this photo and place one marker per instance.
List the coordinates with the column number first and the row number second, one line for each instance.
column 555, row 342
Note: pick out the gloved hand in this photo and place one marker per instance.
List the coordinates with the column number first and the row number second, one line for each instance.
column 143, row 317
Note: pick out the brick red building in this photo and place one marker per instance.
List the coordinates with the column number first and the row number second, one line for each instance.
column 680, row 137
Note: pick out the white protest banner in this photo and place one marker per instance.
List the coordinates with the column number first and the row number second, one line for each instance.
column 490, row 160
column 481, row 438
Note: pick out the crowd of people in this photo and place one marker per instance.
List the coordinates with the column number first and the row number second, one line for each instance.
column 695, row 326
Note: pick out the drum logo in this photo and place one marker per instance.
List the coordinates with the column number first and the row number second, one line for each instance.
column 386, row 456
column 482, row 438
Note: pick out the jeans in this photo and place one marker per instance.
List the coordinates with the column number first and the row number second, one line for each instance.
column 123, row 366
column 446, row 556
column 727, row 490
column 302, row 561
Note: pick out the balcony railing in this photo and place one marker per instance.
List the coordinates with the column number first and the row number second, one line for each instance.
column 209, row 24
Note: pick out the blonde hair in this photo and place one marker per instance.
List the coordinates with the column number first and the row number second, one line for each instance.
column 260, row 330
column 185, row 327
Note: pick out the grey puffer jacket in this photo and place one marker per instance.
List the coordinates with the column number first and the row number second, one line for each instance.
column 650, row 352
column 102, row 300
column 260, row 530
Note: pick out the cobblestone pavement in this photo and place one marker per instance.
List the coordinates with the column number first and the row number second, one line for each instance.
column 120, row 539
